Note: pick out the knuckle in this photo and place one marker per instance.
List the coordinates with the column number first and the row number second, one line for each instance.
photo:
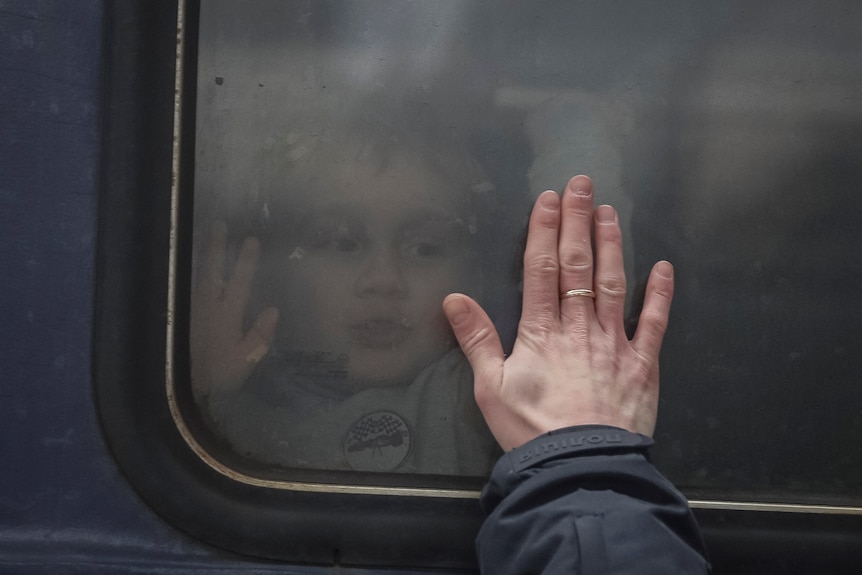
column 655, row 323
column 545, row 221
column 654, row 317
column 576, row 259
column 541, row 265
column 662, row 292
column 614, row 286
column 535, row 332
column 580, row 209
column 638, row 373
column 475, row 340
column 644, row 368
column 610, row 234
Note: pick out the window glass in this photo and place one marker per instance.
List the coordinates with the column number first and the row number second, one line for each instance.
column 357, row 161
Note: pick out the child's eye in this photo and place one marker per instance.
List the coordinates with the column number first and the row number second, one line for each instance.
column 344, row 245
column 337, row 243
column 421, row 249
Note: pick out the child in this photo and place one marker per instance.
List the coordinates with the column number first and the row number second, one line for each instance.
column 350, row 364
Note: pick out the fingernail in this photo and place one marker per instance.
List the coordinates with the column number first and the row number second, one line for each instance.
column 664, row 269
column 580, row 186
column 456, row 310
column 606, row 214
column 549, row 200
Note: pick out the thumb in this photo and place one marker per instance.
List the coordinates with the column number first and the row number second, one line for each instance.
column 476, row 335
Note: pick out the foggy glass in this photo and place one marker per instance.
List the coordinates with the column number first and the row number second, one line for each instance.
column 384, row 154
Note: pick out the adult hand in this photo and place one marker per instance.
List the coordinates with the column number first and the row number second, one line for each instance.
column 572, row 363
column 223, row 355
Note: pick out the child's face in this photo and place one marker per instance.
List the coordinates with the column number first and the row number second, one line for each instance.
column 374, row 257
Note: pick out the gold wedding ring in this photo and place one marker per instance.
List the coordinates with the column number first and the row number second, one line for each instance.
column 578, row 292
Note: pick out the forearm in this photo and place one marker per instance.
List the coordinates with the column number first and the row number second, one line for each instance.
column 586, row 500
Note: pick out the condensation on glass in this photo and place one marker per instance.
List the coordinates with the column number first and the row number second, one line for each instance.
column 356, row 162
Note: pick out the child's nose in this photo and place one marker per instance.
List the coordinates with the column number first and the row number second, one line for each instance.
column 381, row 275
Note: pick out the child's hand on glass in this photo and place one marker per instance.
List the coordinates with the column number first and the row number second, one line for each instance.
column 223, row 354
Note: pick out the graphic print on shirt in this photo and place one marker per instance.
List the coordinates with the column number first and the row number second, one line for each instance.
column 379, row 441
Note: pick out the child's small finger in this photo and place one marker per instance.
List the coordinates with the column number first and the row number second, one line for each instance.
column 238, row 289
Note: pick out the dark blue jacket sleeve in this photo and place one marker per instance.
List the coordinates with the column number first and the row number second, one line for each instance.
column 586, row 500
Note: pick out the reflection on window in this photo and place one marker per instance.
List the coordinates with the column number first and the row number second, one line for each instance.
column 356, row 162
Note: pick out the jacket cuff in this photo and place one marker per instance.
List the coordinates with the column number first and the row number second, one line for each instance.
column 554, row 448
column 570, row 441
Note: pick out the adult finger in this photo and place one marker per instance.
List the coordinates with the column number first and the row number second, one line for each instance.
column 575, row 247
column 654, row 316
column 610, row 275
column 479, row 341
column 541, row 263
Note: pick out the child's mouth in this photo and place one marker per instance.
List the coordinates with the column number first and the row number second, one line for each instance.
column 379, row 333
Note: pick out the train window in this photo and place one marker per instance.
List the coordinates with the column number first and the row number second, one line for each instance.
column 333, row 212
column 341, row 167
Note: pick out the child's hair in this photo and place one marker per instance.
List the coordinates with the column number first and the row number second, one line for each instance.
column 371, row 133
